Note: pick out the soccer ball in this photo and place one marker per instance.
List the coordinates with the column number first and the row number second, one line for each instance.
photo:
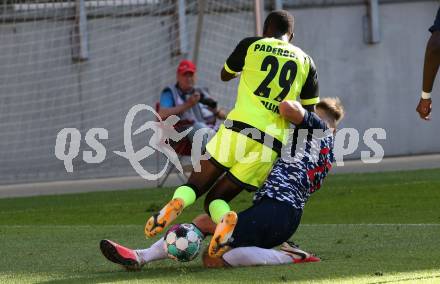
column 183, row 242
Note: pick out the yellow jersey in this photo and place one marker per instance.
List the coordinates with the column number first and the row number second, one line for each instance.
column 272, row 71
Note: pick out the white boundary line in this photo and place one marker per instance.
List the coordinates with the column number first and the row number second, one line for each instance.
column 373, row 225
column 135, row 182
column 301, row 225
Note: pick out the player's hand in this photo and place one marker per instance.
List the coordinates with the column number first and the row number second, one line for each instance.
column 220, row 113
column 193, row 99
column 424, row 108
column 292, row 111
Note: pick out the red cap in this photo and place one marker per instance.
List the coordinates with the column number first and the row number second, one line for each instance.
column 186, row 66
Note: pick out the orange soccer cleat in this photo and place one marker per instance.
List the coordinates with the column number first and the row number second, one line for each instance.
column 219, row 242
column 166, row 216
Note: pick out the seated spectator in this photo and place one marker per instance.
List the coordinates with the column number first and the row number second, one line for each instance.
column 190, row 102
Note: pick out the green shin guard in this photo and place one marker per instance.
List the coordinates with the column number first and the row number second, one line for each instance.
column 217, row 209
column 185, row 193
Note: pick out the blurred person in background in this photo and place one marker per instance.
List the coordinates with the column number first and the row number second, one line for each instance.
column 192, row 104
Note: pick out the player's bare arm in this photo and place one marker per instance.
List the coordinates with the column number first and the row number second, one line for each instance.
column 310, row 91
column 226, row 76
column 432, row 61
column 292, row 111
column 430, row 68
column 235, row 62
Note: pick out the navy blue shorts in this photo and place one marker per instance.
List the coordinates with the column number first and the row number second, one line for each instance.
column 268, row 223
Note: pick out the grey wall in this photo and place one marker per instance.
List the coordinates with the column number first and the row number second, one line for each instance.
column 379, row 84
column 42, row 91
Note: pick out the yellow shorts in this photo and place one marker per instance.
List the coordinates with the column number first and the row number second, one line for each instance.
column 246, row 160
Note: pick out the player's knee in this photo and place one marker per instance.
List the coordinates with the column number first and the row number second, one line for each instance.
column 212, row 262
column 205, row 224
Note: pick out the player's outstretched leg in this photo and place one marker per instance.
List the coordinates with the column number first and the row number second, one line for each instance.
column 168, row 214
column 219, row 242
column 218, row 208
column 298, row 255
column 121, row 255
column 184, row 196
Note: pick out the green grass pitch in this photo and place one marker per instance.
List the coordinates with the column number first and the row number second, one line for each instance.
column 367, row 228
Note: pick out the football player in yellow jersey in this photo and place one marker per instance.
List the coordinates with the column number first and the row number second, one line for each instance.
column 246, row 146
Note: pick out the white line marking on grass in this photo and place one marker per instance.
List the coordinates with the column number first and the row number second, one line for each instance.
column 72, row 226
column 371, row 225
column 301, row 225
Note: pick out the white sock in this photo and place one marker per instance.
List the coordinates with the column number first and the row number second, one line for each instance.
column 154, row 252
column 251, row 256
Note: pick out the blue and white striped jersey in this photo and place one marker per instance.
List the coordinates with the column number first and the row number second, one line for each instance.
column 294, row 177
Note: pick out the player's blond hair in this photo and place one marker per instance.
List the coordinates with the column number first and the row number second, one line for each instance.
column 333, row 108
